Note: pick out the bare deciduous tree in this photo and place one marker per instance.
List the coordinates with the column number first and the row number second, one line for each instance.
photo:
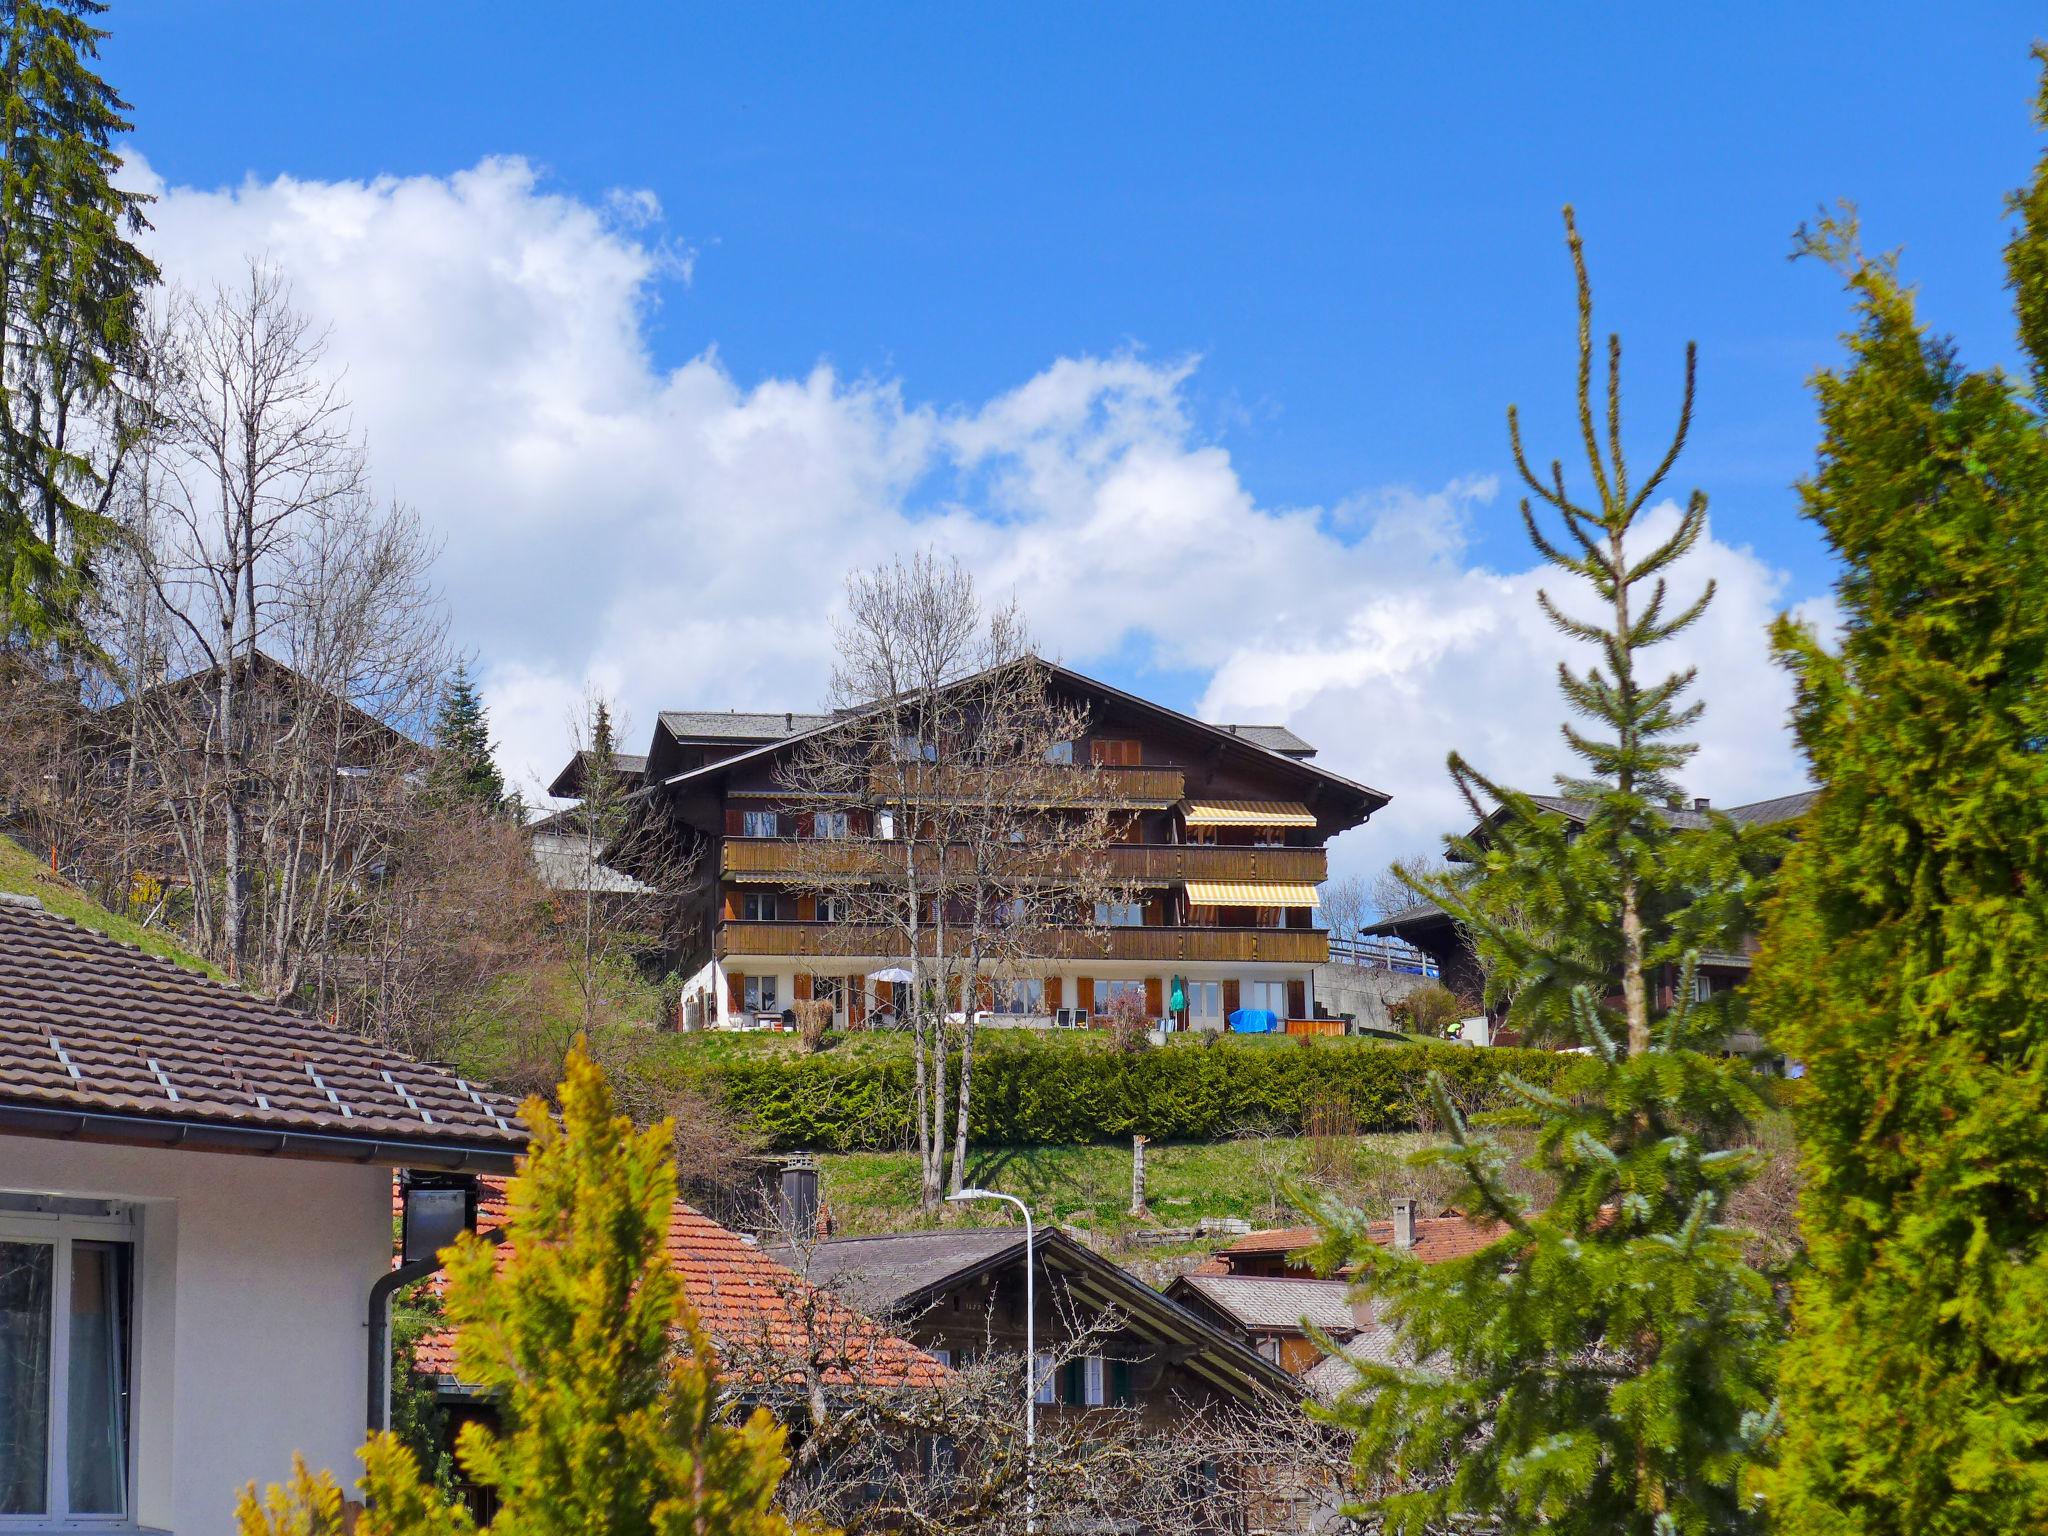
column 950, row 825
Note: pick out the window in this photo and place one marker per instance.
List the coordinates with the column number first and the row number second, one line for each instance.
column 66, row 1288
column 1269, row 995
column 1702, row 986
column 1108, row 993
column 1205, row 1000
column 760, row 994
column 1022, row 995
column 1120, row 914
column 830, row 989
column 760, row 907
column 761, row 824
column 885, row 825
column 1081, row 1385
column 910, row 749
column 943, row 1356
column 1061, row 752
column 832, row 909
column 1013, row 912
column 833, row 824
column 1042, row 1372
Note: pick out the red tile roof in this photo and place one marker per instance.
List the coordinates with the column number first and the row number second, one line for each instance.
column 1437, row 1238
column 746, row 1302
column 92, row 1027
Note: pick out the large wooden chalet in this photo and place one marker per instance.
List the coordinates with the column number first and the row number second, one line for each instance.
column 1220, row 838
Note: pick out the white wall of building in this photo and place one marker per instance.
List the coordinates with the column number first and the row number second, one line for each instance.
column 253, row 1284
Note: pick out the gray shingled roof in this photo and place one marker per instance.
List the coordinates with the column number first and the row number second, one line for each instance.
column 1265, row 1303
column 1274, row 738
column 564, row 863
column 737, row 725
column 882, row 1272
column 102, row 1041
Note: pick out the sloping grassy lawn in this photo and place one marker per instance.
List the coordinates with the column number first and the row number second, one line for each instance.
column 25, row 875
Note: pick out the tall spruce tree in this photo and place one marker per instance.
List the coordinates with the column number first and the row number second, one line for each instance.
column 464, row 771
column 1604, row 1366
column 70, row 286
column 606, row 1386
column 1906, row 960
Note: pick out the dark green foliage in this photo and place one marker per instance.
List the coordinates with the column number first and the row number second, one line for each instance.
column 464, row 772
column 1907, row 959
column 1031, row 1094
column 69, row 284
column 1605, row 1368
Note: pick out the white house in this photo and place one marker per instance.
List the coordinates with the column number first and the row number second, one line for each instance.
column 195, row 1203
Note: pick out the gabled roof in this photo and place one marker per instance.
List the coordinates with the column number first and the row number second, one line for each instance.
column 1437, row 1238
column 1273, row 1304
column 746, row 1302
column 904, row 1272
column 101, row 1042
column 1690, row 818
column 1274, row 738
column 568, row 784
column 1226, row 736
column 735, row 725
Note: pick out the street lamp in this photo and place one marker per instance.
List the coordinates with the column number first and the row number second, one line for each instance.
column 1030, row 1351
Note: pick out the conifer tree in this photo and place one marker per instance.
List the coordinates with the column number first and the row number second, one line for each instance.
column 70, row 286
column 1906, row 960
column 464, row 771
column 1604, row 1365
column 606, row 1385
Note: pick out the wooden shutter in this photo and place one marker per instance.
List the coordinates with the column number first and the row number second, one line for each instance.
column 1115, row 754
column 735, row 991
column 805, row 825
column 1119, row 1381
column 803, row 987
column 1084, row 993
column 807, row 909
column 1230, row 1003
column 1052, row 991
column 1154, row 1004
column 735, row 821
column 1297, row 999
column 731, row 907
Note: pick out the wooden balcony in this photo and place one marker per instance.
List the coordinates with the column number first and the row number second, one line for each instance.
column 1133, row 788
column 1292, row 946
column 762, row 858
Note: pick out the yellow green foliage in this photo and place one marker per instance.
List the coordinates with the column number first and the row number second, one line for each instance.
column 609, row 1428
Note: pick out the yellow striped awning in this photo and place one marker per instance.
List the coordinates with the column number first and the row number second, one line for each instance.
column 1249, row 813
column 1243, row 893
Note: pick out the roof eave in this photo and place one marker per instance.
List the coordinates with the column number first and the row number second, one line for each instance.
column 172, row 1132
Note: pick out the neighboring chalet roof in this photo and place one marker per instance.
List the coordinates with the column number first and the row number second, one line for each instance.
column 746, row 1302
column 1274, row 738
column 268, row 667
column 1425, row 915
column 904, row 1272
column 1288, row 767
column 737, row 725
column 101, row 1042
column 568, row 784
column 1437, row 1238
column 565, row 861
column 1274, row 1304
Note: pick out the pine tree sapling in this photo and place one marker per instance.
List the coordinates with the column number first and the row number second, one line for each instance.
column 1906, row 958
column 464, row 772
column 608, row 1425
column 1604, row 1366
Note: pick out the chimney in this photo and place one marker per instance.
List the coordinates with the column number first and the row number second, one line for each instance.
column 1404, row 1222
column 1701, row 802
column 789, row 720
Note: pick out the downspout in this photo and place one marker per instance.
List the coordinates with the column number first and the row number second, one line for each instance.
column 381, row 1293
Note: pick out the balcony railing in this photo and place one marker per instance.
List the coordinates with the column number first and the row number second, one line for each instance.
column 1293, row 946
column 1140, row 863
column 1133, row 787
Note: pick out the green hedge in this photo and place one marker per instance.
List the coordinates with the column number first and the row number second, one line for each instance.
column 1028, row 1093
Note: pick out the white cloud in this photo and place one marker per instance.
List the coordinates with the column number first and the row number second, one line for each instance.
column 679, row 537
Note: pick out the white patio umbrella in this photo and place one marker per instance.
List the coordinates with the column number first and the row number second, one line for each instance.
column 894, row 973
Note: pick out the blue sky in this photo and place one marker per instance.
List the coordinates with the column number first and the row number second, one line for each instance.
column 1348, row 215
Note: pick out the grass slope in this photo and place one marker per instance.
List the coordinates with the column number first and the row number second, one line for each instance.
column 25, row 875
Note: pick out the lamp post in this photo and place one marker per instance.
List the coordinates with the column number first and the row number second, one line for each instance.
column 1030, row 1351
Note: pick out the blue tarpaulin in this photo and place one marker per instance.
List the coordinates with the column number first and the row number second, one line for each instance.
column 1254, row 1021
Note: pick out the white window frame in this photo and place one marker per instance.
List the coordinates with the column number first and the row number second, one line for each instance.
column 1061, row 754
column 1047, row 1379
column 1254, row 995
column 761, row 902
column 1120, row 914
column 1205, row 991
column 758, row 984
column 753, row 823
column 62, row 1226
column 1022, row 997
column 1091, row 1381
column 831, row 825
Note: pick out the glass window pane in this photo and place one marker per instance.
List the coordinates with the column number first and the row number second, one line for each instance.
column 26, row 1271
column 97, row 1400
